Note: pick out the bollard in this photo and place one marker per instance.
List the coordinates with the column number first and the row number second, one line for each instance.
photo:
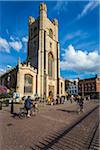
column 7, row 102
column 0, row 105
column 12, row 107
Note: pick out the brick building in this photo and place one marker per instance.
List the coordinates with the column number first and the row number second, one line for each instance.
column 89, row 87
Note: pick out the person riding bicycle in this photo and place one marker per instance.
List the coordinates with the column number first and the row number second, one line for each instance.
column 28, row 105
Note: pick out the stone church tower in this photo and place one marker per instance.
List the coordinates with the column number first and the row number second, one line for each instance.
column 40, row 73
column 43, row 53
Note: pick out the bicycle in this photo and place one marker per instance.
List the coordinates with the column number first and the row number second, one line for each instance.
column 22, row 113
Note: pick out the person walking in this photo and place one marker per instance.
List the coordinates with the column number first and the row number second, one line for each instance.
column 80, row 102
column 71, row 98
column 28, row 105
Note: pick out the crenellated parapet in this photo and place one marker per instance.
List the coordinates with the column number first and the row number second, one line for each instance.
column 27, row 66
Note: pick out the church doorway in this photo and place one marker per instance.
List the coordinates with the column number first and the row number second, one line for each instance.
column 51, row 90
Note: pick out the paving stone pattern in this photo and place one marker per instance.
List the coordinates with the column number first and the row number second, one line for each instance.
column 25, row 134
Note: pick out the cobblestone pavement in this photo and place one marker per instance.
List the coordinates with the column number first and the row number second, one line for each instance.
column 24, row 134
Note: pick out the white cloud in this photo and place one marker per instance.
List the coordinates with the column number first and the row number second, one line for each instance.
column 4, row 69
column 17, row 45
column 60, row 6
column 74, row 35
column 80, row 61
column 4, row 45
column 89, row 7
column 12, row 38
column 8, row 66
column 25, row 39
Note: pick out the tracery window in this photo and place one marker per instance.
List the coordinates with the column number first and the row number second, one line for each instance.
column 34, row 44
column 35, row 31
column 50, row 64
column 28, row 82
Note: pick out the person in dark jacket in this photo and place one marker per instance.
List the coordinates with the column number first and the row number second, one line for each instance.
column 28, row 105
column 81, row 102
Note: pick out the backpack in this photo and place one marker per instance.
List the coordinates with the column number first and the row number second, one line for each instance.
column 27, row 104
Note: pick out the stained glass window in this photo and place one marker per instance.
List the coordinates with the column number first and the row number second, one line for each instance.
column 28, row 82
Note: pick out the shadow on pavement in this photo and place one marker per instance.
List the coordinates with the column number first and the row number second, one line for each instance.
column 68, row 111
column 51, row 141
column 58, row 140
column 15, row 115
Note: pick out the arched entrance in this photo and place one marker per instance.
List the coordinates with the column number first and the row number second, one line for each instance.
column 51, row 91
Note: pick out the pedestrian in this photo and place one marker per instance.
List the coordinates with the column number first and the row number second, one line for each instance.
column 60, row 100
column 81, row 102
column 36, row 107
column 28, row 105
column 33, row 112
column 71, row 98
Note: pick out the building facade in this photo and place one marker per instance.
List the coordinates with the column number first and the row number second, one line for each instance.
column 41, row 73
column 89, row 87
column 71, row 87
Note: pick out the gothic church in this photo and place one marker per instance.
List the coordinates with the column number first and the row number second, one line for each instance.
column 40, row 74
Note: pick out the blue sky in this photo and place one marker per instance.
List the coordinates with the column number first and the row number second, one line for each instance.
column 78, row 34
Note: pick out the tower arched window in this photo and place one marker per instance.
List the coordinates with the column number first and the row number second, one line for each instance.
column 34, row 44
column 50, row 64
column 35, row 31
column 51, row 33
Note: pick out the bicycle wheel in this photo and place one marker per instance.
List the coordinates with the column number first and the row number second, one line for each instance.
column 22, row 115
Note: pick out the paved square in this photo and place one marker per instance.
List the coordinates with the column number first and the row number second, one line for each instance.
column 23, row 134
